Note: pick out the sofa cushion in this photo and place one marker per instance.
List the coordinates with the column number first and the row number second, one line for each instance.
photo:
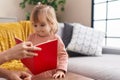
column 110, row 50
column 65, row 31
column 106, row 67
column 86, row 40
column 67, row 34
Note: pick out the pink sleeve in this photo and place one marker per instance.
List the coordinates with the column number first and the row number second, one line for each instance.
column 62, row 55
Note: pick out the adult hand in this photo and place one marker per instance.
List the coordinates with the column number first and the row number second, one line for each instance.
column 16, row 75
column 20, row 76
column 22, row 50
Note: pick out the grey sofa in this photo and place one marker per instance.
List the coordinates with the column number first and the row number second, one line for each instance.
column 105, row 67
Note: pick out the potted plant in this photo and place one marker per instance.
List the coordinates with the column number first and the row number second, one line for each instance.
column 54, row 3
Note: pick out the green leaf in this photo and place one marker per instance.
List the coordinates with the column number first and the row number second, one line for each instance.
column 61, row 2
column 27, row 16
column 44, row 1
column 54, row 5
column 62, row 9
column 22, row 5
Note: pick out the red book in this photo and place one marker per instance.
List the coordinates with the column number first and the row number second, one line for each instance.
column 46, row 59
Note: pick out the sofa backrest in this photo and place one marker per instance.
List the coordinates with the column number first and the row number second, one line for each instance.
column 8, row 19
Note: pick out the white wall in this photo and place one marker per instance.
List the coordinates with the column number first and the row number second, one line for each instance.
column 75, row 11
column 10, row 8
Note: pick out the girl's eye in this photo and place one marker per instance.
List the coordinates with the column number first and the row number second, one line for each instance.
column 35, row 25
column 42, row 25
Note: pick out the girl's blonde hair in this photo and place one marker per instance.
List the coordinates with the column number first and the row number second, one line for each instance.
column 50, row 15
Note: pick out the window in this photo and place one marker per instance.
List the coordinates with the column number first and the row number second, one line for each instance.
column 106, row 18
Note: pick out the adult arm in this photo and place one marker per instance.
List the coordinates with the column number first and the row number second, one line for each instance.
column 19, row 51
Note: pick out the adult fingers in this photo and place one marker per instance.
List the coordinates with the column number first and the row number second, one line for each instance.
column 26, row 76
column 28, row 54
column 17, row 78
column 33, row 48
column 28, row 47
column 31, row 54
column 28, row 43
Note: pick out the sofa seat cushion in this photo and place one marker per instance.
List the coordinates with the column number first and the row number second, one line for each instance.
column 106, row 67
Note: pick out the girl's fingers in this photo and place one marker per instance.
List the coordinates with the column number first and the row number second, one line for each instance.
column 63, row 76
column 60, row 76
column 55, row 76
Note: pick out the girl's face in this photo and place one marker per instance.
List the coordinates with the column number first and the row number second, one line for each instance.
column 42, row 27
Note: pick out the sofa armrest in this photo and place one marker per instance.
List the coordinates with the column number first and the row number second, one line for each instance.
column 110, row 50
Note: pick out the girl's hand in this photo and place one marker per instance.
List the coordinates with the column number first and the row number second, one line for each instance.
column 59, row 74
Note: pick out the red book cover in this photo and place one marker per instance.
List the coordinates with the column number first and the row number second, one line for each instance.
column 46, row 59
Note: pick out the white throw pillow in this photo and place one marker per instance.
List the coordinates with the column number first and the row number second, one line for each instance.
column 86, row 40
